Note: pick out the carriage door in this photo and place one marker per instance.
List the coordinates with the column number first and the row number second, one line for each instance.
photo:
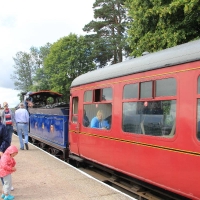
column 74, row 126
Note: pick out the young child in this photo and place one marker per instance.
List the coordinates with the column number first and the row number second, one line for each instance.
column 7, row 166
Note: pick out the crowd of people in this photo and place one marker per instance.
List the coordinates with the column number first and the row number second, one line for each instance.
column 20, row 117
column 8, row 151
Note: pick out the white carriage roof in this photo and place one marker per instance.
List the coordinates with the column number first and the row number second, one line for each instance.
column 183, row 53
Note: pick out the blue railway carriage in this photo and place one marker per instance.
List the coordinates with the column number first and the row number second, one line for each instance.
column 49, row 122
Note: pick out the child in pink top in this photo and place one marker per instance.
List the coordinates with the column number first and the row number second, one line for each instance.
column 7, row 166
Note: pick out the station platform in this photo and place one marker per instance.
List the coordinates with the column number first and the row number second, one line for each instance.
column 40, row 175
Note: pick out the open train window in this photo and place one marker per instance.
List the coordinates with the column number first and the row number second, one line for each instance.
column 130, row 91
column 100, row 105
column 104, row 94
column 97, row 95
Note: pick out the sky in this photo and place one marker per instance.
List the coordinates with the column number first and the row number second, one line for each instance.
column 27, row 23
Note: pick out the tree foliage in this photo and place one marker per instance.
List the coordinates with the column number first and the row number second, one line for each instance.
column 108, row 31
column 28, row 66
column 24, row 71
column 69, row 57
column 159, row 24
column 41, row 79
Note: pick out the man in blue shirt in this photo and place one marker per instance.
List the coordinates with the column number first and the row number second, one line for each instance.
column 22, row 122
column 98, row 122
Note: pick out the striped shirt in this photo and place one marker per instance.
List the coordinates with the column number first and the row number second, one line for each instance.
column 7, row 115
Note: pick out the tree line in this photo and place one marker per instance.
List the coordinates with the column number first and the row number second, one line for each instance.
column 120, row 29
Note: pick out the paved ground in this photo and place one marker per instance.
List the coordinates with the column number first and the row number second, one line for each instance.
column 42, row 176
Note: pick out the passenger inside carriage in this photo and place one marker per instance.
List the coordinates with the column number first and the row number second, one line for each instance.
column 86, row 121
column 99, row 122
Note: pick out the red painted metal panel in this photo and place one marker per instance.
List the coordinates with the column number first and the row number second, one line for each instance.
column 171, row 163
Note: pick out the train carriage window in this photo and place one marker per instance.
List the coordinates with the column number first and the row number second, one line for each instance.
column 130, row 91
column 92, row 112
column 97, row 95
column 88, row 96
column 156, row 118
column 146, row 89
column 199, row 85
column 166, row 87
column 198, row 110
column 99, row 107
column 198, row 119
column 104, row 94
column 75, row 109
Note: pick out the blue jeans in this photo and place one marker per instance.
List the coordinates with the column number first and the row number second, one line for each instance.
column 22, row 128
column 9, row 130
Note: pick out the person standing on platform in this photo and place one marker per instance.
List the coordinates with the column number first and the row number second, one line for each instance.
column 7, row 166
column 22, row 122
column 8, row 120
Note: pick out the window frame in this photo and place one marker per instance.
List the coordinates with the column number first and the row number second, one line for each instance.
column 153, row 99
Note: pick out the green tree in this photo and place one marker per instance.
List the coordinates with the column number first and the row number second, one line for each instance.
column 41, row 79
column 29, row 69
column 24, row 71
column 69, row 57
column 108, row 31
column 159, row 24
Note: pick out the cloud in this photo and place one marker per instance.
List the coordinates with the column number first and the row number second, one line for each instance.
column 10, row 96
column 24, row 24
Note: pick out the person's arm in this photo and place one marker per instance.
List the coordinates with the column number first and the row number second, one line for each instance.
column 27, row 116
column 94, row 123
column 16, row 117
column 5, row 164
column 106, row 124
column 2, row 117
column 12, row 117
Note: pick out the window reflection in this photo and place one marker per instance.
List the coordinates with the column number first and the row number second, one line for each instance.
column 170, row 87
column 146, row 89
column 130, row 91
column 155, row 118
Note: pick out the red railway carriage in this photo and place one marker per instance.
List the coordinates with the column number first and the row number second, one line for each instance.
column 149, row 124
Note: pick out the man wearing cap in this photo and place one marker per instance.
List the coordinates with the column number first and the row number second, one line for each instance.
column 8, row 120
column 22, row 122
